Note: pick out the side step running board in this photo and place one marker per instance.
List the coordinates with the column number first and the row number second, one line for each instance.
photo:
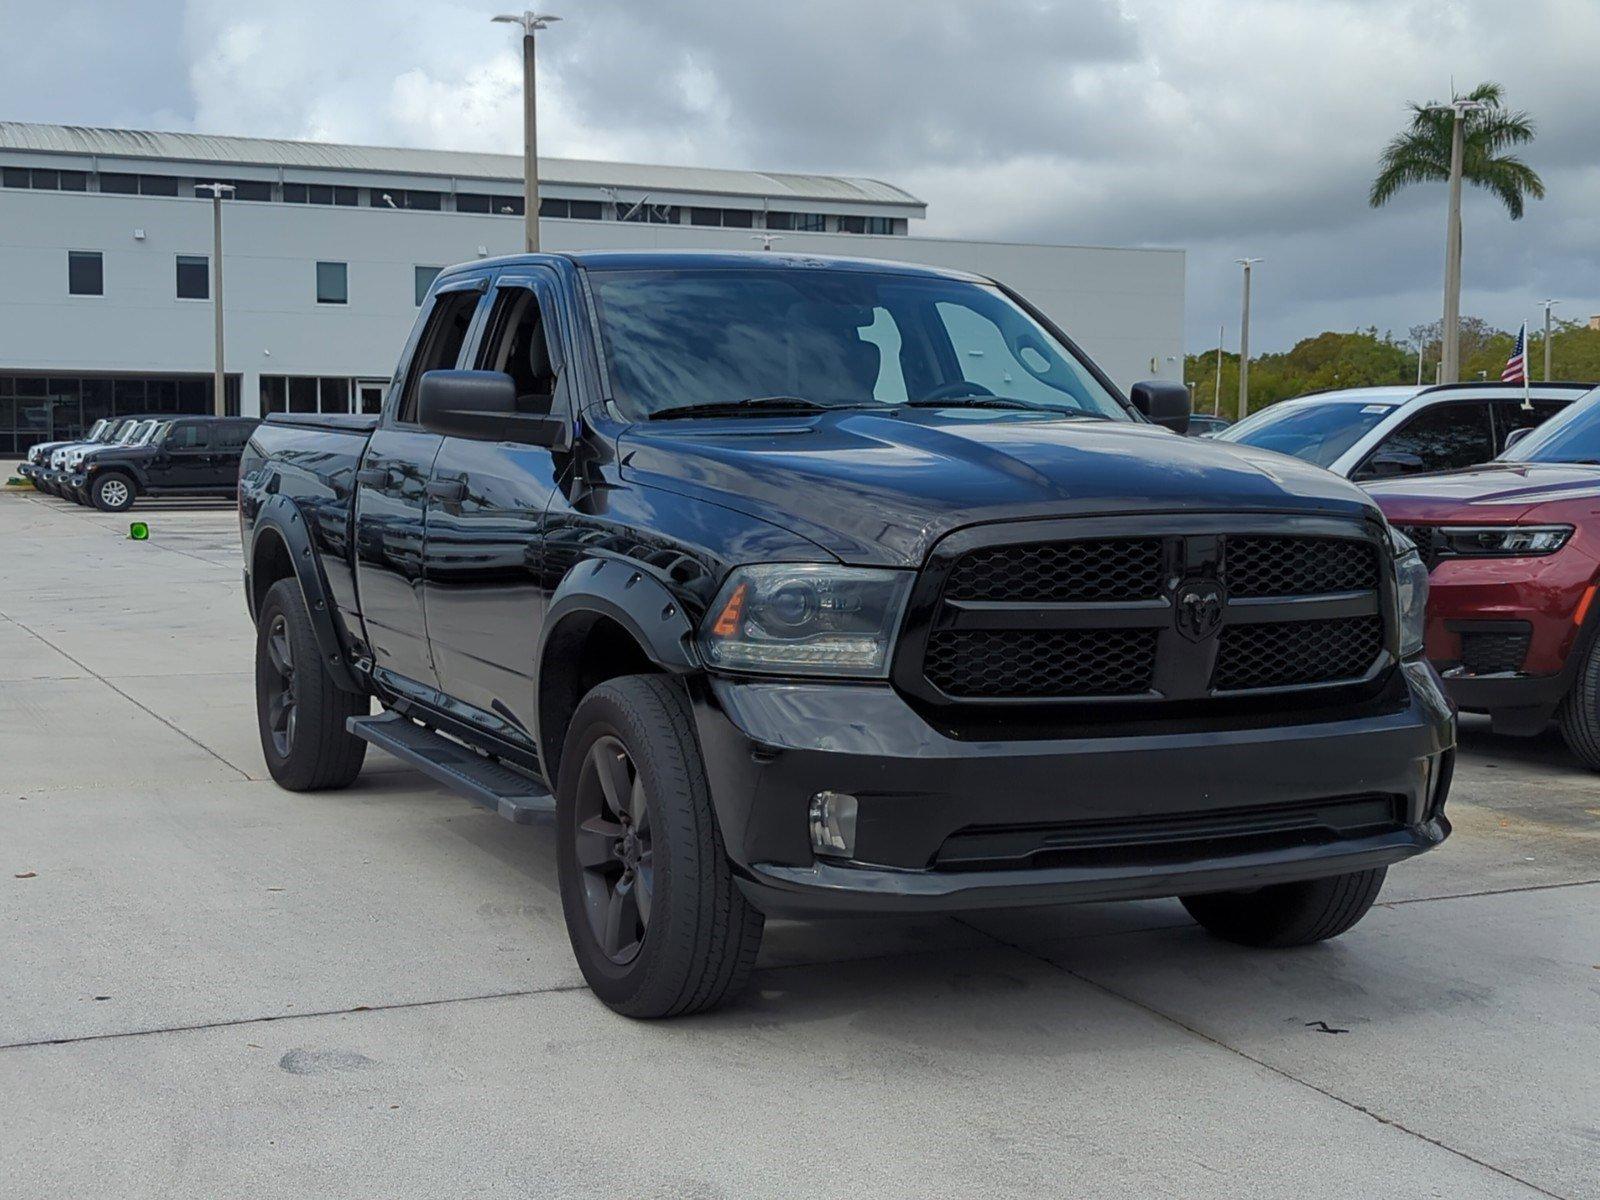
column 515, row 796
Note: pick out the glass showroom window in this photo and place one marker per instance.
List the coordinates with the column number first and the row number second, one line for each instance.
column 85, row 273
column 194, row 277
column 333, row 283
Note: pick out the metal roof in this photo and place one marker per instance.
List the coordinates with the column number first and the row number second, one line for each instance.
column 461, row 164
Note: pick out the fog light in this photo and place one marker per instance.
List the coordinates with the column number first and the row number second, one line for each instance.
column 833, row 824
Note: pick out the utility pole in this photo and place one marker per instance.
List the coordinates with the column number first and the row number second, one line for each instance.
column 531, row 23
column 1244, row 341
column 1216, row 394
column 1450, row 333
column 1548, row 305
column 219, row 383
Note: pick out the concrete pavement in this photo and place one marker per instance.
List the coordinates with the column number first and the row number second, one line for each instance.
column 215, row 987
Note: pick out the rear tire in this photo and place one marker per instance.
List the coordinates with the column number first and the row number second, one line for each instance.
column 658, row 925
column 1288, row 914
column 111, row 491
column 1579, row 715
column 300, row 711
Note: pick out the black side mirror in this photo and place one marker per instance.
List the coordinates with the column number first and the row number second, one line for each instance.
column 1515, row 436
column 1388, row 463
column 482, row 405
column 1164, row 402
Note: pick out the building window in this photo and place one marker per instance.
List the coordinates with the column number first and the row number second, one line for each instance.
column 243, row 189
column 85, row 273
column 404, row 198
column 138, row 185
column 880, row 225
column 44, row 179
column 158, row 185
column 15, row 177
column 651, row 214
column 333, row 283
column 304, row 394
column 424, row 280
column 194, row 277
column 799, row 222
column 121, row 185
column 482, row 202
column 577, row 210
column 319, row 193
column 852, row 224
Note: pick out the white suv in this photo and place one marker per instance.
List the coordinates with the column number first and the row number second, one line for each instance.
column 1380, row 432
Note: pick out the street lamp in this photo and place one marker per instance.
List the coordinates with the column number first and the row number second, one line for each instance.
column 1244, row 341
column 531, row 23
column 1548, row 305
column 219, row 386
column 1450, row 334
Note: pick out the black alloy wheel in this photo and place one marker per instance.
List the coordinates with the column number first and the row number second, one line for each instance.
column 613, row 850
column 281, row 707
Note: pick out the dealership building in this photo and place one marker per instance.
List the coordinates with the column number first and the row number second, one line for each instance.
column 105, row 268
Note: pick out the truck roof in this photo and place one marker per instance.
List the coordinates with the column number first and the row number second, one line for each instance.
column 711, row 260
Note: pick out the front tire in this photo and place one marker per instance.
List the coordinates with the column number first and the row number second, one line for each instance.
column 300, row 711
column 657, row 924
column 111, row 492
column 1288, row 914
column 1579, row 715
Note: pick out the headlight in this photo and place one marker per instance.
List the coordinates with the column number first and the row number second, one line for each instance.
column 1410, row 590
column 806, row 619
column 1500, row 541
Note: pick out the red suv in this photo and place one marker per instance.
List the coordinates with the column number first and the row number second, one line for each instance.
column 1513, row 547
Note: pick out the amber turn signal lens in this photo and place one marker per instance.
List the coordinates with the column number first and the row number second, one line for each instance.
column 728, row 619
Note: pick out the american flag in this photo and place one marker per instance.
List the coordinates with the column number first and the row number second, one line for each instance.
column 1517, row 365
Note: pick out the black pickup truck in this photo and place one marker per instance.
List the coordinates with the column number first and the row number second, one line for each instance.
column 807, row 587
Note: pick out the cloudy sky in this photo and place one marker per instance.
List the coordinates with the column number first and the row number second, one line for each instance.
column 1226, row 127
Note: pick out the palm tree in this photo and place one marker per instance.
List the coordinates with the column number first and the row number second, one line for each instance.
column 1423, row 153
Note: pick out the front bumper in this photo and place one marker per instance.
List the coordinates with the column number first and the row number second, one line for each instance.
column 1085, row 818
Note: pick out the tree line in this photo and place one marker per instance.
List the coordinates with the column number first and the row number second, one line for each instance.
column 1367, row 358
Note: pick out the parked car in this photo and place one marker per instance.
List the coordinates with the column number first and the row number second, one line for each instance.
column 1514, row 550
column 183, row 456
column 54, row 474
column 1376, row 433
column 802, row 586
column 1202, row 425
column 38, row 456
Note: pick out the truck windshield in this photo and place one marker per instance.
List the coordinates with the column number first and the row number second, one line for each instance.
column 713, row 338
column 1571, row 436
column 1318, row 433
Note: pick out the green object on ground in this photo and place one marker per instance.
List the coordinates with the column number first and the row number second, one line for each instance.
column 139, row 531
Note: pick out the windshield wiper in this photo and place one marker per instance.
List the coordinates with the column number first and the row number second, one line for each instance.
column 723, row 408
column 1010, row 402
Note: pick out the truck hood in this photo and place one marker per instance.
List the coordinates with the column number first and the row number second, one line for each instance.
column 882, row 488
column 1493, row 492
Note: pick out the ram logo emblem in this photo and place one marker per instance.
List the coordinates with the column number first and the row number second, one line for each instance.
column 1198, row 609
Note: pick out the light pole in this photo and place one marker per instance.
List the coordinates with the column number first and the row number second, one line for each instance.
column 1216, row 390
column 219, row 380
column 531, row 23
column 1244, row 341
column 1548, row 305
column 1450, row 333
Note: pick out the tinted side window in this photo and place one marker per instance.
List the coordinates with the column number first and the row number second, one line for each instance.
column 517, row 346
column 440, row 345
column 232, row 435
column 188, row 437
column 1509, row 415
column 1444, row 437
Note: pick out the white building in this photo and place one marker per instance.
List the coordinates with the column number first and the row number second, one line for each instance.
column 105, row 261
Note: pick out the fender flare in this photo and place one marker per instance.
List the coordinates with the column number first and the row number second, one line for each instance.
column 123, row 467
column 280, row 517
column 632, row 595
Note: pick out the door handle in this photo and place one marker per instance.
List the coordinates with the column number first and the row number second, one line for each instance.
column 373, row 477
column 447, row 489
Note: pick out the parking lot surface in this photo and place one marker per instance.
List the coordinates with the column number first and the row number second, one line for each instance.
column 215, row 987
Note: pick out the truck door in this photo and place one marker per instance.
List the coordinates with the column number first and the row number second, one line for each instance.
column 485, row 516
column 391, row 497
column 183, row 459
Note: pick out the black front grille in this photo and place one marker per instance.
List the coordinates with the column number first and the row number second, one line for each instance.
column 1284, row 654
column 1493, row 653
column 1289, row 566
column 1099, row 617
column 991, row 664
column 1112, row 569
